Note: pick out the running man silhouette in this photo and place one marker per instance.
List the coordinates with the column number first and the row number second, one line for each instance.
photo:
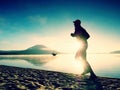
column 82, row 36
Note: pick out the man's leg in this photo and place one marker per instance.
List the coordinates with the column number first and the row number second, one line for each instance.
column 87, row 67
column 85, row 63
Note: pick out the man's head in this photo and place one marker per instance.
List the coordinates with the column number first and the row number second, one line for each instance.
column 77, row 22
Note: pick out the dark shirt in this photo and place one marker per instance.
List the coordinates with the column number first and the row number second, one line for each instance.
column 80, row 31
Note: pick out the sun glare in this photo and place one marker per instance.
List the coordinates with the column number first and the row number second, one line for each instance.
column 78, row 66
column 66, row 63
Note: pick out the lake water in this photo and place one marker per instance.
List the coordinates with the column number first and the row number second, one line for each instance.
column 106, row 65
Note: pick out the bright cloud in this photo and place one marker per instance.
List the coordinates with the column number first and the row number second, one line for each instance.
column 60, row 42
column 1, row 31
column 38, row 19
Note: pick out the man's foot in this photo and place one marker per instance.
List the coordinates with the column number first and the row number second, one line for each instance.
column 93, row 77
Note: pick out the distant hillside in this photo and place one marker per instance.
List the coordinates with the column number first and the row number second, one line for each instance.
column 37, row 49
column 115, row 52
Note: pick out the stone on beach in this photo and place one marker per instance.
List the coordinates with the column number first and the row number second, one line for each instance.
column 14, row 78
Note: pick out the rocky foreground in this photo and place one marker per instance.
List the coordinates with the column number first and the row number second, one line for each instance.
column 14, row 78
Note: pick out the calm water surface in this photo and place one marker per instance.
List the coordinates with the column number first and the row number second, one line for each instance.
column 103, row 64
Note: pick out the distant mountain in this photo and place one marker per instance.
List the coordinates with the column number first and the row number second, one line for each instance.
column 37, row 49
column 115, row 52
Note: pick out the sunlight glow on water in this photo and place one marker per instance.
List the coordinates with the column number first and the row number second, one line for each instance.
column 17, row 63
column 65, row 64
column 102, row 64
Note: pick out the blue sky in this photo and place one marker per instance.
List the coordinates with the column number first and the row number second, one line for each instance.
column 24, row 23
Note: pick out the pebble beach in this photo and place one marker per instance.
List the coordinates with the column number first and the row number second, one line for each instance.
column 15, row 78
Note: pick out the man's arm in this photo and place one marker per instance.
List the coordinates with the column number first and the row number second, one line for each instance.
column 73, row 34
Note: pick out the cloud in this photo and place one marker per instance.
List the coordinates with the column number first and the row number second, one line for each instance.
column 1, row 31
column 4, row 42
column 61, row 42
column 4, row 45
column 38, row 19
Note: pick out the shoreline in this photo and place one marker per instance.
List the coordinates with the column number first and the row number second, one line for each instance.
column 16, row 78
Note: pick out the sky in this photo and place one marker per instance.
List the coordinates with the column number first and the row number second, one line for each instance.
column 24, row 23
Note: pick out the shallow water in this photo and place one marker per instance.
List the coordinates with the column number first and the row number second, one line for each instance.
column 103, row 64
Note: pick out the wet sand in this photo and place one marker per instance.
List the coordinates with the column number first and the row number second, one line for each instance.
column 14, row 78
